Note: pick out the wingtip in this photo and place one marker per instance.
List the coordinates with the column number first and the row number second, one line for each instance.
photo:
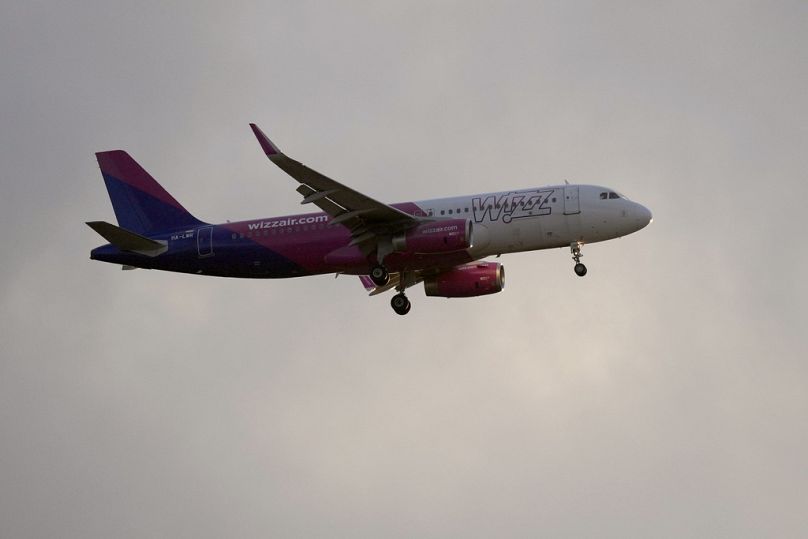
column 367, row 283
column 269, row 148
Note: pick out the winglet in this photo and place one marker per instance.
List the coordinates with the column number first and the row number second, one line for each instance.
column 270, row 149
column 367, row 283
column 375, row 290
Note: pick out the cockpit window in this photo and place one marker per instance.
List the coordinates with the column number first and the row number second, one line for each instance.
column 604, row 196
column 614, row 195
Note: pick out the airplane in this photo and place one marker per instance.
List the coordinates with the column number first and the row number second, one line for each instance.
column 440, row 242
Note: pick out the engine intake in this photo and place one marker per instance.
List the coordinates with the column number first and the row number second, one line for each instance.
column 436, row 237
column 470, row 280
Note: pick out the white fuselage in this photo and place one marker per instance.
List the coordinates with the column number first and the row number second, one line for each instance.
column 541, row 218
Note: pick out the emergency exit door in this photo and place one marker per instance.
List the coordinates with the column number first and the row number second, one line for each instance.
column 204, row 241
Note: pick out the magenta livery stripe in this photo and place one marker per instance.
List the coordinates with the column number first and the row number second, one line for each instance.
column 308, row 241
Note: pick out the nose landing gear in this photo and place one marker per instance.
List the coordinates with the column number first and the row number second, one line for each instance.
column 575, row 248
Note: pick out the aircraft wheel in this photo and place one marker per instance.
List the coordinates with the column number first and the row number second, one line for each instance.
column 580, row 269
column 379, row 275
column 400, row 304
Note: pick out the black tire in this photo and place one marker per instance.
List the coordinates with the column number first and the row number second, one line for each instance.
column 580, row 269
column 400, row 304
column 379, row 275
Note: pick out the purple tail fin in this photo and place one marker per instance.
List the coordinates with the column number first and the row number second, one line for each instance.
column 140, row 203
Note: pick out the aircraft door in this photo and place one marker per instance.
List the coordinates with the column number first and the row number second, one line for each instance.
column 571, row 203
column 204, row 241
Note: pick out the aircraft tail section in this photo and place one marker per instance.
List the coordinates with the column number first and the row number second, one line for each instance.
column 141, row 204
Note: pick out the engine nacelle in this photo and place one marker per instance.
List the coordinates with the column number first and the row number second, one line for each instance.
column 436, row 237
column 477, row 279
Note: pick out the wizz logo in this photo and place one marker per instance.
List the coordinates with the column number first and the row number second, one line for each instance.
column 512, row 206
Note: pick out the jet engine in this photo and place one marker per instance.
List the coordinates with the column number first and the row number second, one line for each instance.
column 436, row 237
column 477, row 279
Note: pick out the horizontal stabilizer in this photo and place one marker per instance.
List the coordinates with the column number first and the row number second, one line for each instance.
column 128, row 241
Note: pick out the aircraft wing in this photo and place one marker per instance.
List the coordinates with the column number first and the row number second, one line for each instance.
column 368, row 220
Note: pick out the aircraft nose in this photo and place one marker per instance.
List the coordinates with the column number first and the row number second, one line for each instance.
column 644, row 216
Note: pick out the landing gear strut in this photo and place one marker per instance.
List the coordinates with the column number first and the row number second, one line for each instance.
column 575, row 248
column 379, row 275
column 400, row 304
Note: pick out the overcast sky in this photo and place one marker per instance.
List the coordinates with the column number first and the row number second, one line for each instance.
column 664, row 395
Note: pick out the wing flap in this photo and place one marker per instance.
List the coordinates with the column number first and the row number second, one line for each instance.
column 323, row 203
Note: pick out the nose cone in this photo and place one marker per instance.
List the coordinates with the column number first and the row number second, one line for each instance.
column 642, row 216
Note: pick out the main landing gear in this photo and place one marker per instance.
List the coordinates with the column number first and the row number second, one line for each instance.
column 575, row 248
column 379, row 275
column 400, row 304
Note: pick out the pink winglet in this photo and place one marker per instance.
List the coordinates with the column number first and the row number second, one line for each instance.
column 367, row 283
column 266, row 144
